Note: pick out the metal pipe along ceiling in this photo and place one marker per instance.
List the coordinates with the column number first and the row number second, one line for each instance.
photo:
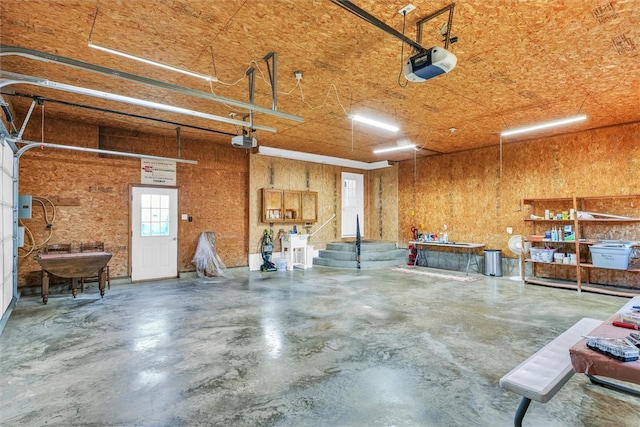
column 33, row 144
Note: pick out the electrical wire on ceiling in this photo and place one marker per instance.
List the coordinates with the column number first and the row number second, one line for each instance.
column 252, row 63
column 401, row 73
column 298, row 85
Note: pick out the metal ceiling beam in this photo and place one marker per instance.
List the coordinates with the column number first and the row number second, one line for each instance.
column 110, row 111
column 362, row 14
column 57, row 59
column 8, row 78
column 34, row 144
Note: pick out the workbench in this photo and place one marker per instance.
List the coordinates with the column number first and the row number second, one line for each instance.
column 470, row 248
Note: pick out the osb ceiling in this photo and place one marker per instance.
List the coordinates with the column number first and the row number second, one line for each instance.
column 519, row 62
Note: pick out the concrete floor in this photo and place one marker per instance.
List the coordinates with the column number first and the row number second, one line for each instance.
column 317, row 347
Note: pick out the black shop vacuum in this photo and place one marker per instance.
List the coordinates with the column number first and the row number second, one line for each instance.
column 266, row 248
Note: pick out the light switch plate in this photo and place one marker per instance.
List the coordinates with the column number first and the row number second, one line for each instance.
column 185, row 217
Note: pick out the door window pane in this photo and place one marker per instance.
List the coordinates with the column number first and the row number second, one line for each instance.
column 154, row 215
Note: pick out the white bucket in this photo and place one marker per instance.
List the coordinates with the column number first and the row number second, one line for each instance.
column 281, row 264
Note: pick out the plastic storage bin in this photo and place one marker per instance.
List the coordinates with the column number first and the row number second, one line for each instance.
column 493, row 262
column 615, row 257
column 542, row 254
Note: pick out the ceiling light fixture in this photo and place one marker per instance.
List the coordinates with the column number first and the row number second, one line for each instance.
column 318, row 158
column 372, row 122
column 154, row 63
column 398, row 148
column 8, row 78
column 545, row 125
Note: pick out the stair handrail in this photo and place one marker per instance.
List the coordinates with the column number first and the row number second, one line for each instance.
column 322, row 226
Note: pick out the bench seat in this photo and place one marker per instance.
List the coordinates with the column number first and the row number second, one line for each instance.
column 544, row 373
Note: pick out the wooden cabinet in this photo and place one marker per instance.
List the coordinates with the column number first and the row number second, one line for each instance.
column 309, row 206
column 272, row 205
column 608, row 219
column 291, row 205
column 282, row 206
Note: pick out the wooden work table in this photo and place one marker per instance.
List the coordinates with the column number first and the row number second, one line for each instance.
column 72, row 266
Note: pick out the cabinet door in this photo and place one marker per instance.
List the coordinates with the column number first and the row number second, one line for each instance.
column 309, row 206
column 291, row 205
column 271, row 205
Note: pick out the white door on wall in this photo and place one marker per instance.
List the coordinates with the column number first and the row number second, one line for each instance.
column 352, row 203
column 154, row 233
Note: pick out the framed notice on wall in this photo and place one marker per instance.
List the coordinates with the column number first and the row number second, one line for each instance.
column 157, row 172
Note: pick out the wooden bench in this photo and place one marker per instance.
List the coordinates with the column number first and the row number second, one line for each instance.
column 543, row 374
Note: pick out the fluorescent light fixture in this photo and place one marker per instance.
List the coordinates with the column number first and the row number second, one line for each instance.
column 154, row 63
column 317, row 158
column 372, row 122
column 553, row 123
column 398, row 148
column 8, row 78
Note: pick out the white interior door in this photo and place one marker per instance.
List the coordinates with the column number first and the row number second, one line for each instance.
column 352, row 203
column 154, row 233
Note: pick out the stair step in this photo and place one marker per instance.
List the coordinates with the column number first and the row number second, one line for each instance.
column 394, row 254
column 363, row 264
column 372, row 255
column 364, row 246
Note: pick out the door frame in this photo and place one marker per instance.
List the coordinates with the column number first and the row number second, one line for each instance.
column 130, row 233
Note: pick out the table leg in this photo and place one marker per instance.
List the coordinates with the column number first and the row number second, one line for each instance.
column 101, row 281
column 468, row 259
column 45, row 287
column 74, row 290
column 420, row 253
column 613, row 386
column 475, row 260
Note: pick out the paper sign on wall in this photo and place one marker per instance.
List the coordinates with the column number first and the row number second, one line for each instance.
column 157, row 172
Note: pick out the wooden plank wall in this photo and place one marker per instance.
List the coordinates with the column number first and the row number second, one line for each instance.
column 213, row 192
column 381, row 190
column 473, row 192
column 478, row 196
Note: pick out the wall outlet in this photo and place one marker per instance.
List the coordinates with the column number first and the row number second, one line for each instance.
column 509, row 230
column 185, row 217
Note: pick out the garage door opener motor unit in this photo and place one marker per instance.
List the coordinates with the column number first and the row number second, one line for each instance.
column 429, row 63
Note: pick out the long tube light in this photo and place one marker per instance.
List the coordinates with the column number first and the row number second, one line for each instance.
column 154, row 63
column 110, row 72
column 398, row 148
column 14, row 78
column 318, row 158
column 376, row 123
column 545, row 125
